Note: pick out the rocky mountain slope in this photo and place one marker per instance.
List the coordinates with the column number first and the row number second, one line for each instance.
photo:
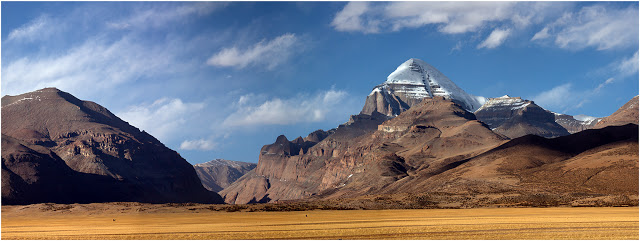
column 219, row 174
column 412, row 81
column 628, row 113
column 369, row 155
column 515, row 117
column 51, row 135
column 437, row 148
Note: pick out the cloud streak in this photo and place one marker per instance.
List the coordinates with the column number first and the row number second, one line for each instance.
column 265, row 53
column 495, row 39
column 161, row 16
column 37, row 29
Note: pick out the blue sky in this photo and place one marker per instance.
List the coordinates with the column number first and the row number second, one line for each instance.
column 221, row 79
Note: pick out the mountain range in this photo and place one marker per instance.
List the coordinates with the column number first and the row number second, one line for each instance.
column 418, row 134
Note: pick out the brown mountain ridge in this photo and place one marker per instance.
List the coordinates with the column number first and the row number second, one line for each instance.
column 93, row 155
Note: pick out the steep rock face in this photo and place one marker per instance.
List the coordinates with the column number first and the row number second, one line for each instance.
column 409, row 84
column 219, row 174
column 91, row 140
column 369, row 154
column 515, row 117
column 628, row 113
column 279, row 164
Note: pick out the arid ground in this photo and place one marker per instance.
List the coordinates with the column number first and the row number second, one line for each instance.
column 144, row 221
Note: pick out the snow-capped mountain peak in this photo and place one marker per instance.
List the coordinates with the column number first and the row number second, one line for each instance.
column 415, row 79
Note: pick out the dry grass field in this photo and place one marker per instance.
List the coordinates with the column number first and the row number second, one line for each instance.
column 96, row 221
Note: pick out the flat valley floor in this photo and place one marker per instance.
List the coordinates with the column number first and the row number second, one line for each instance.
column 144, row 221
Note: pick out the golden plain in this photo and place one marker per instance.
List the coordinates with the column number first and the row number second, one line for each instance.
column 101, row 221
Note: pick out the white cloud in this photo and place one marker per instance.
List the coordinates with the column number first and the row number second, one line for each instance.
column 37, row 29
column 268, row 53
column 165, row 118
column 495, row 39
column 455, row 17
column 451, row 17
column 276, row 111
column 596, row 26
column 200, row 144
column 350, row 19
column 559, row 97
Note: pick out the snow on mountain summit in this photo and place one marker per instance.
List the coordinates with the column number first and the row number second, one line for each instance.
column 415, row 79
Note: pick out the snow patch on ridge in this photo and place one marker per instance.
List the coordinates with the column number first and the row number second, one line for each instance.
column 25, row 99
column 505, row 101
column 584, row 117
column 587, row 120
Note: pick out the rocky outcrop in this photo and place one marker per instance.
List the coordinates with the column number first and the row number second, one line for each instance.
column 515, row 117
column 411, row 82
column 628, row 113
column 109, row 160
column 219, row 173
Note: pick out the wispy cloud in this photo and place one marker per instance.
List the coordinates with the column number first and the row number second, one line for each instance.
column 277, row 111
column 160, row 16
column 267, row 53
column 37, row 29
column 104, row 59
column 495, row 39
column 165, row 118
column 598, row 26
column 199, row 144
column 114, row 63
